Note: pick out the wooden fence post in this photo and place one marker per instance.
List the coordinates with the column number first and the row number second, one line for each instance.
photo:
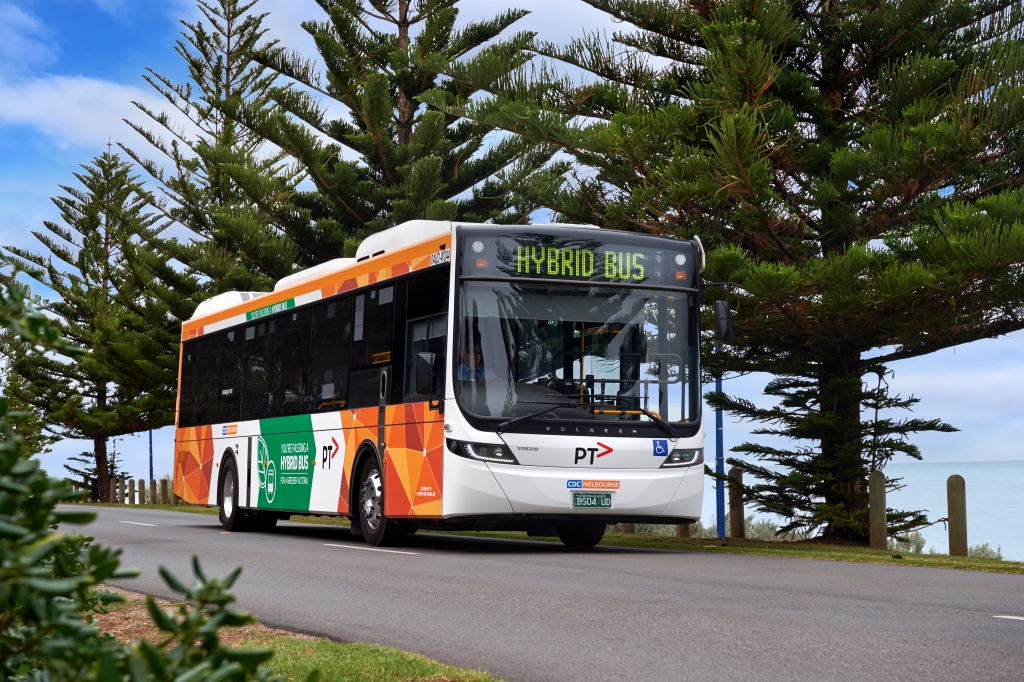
column 737, row 515
column 120, row 490
column 684, row 530
column 956, row 497
column 164, row 499
column 877, row 531
column 152, row 491
column 628, row 528
column 131, row 491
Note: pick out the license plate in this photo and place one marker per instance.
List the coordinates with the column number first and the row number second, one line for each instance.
column 592, row 500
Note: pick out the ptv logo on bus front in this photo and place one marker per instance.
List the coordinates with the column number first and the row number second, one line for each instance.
column 601, row 451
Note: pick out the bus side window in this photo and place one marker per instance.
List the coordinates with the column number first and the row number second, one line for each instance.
column 427, row 335
column 329, row 355
column 187, row 394
column 372, row 338
column 428, row 327
column 291, row 362
column 207, row 379
column 257, row 370
column 229, row 398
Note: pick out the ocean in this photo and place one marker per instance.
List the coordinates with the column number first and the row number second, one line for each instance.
column 995, row 501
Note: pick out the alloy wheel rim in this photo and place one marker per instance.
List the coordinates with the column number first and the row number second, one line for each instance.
column 370, row 499
column 229, row 494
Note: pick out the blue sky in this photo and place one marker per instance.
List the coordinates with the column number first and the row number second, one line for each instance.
column 69, row 70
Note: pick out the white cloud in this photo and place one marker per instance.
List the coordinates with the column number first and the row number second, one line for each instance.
column 24, row 41
column 71, row 110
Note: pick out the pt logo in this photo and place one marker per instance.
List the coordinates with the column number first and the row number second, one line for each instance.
column 581, row 453
column 266, row 470
column 327, row 454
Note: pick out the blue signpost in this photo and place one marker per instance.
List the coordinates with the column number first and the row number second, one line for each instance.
column 151, row 454
column 719, row 465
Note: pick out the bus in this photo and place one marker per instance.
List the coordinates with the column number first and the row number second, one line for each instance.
column 540, row 378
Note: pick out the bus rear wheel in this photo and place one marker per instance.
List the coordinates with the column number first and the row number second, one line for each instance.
column 232, row 517
column 378, row 530
column 580, row 533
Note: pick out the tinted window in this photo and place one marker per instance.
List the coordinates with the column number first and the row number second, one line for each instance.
column 291, row 363
column 331, row 338
column 229, row 394
column 372, row 339
column 398, row 341
column 428, row 292
column 187, row 397
column 426, row 336
column 258, row 370
column 207, row 379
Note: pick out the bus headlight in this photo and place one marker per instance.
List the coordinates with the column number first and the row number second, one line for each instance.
column 684, row 458
column 484, row 452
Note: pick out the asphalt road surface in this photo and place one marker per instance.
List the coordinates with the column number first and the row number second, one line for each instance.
column 537, row 611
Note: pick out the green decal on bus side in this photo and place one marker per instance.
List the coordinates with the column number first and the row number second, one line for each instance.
column 285, row 459
column 270, row 310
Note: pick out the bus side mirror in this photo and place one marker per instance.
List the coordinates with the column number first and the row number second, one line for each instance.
column 723, row 316
column 426, row 373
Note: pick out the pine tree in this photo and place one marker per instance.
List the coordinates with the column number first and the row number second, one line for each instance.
column 30, row 426
column 232, row 244
column 119, row 384
column 390, row 158
column 857, row 170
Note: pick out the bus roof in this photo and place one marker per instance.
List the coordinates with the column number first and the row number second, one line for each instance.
column 411, row 246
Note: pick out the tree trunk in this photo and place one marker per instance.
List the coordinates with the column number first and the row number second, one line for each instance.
column 406, row 106
column 99, row 448
column 842, row 467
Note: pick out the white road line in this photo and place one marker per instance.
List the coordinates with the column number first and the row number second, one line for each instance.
column 1010, row 617
column 136, row 523
column 371, row 549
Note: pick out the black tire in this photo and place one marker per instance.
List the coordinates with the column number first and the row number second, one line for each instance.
column 580, row 533
column 232, row 517
column 378, row 530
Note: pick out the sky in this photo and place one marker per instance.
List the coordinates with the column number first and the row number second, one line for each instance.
column 70, row 70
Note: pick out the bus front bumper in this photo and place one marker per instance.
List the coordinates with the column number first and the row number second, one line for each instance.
column 474, row 488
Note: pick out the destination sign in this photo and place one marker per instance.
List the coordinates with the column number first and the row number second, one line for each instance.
column 638, row 259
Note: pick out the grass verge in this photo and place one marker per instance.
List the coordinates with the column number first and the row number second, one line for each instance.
column 795, row 550
column 296, row 655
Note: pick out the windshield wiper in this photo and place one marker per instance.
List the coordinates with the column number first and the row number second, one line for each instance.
column 512, row 422
column 658, row 421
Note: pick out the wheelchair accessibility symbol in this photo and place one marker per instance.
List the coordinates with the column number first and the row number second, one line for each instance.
column 660, row 448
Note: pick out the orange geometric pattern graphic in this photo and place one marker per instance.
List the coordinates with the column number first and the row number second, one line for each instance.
column 359, row 426
column 413, row 461
column 193, row 464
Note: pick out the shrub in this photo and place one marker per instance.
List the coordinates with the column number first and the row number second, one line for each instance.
column 48, row 575
column 911, row 543
column 985, row 552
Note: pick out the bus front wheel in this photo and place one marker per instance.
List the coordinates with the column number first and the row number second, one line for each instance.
column 377, row 529
column 580, row 533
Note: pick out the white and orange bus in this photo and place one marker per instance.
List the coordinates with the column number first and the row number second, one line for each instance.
column 454, row 376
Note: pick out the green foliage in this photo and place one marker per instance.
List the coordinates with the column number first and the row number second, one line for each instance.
column 125, row 380
column 389, row 159
column 911, row 543
column 49, row 575
column 856, row 171
column 220, row 183
column 984, row 551
column 84, row 470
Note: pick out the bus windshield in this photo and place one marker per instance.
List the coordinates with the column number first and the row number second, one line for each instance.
column 614, row 351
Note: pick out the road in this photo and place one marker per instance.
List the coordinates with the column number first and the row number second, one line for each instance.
column 535, row 611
